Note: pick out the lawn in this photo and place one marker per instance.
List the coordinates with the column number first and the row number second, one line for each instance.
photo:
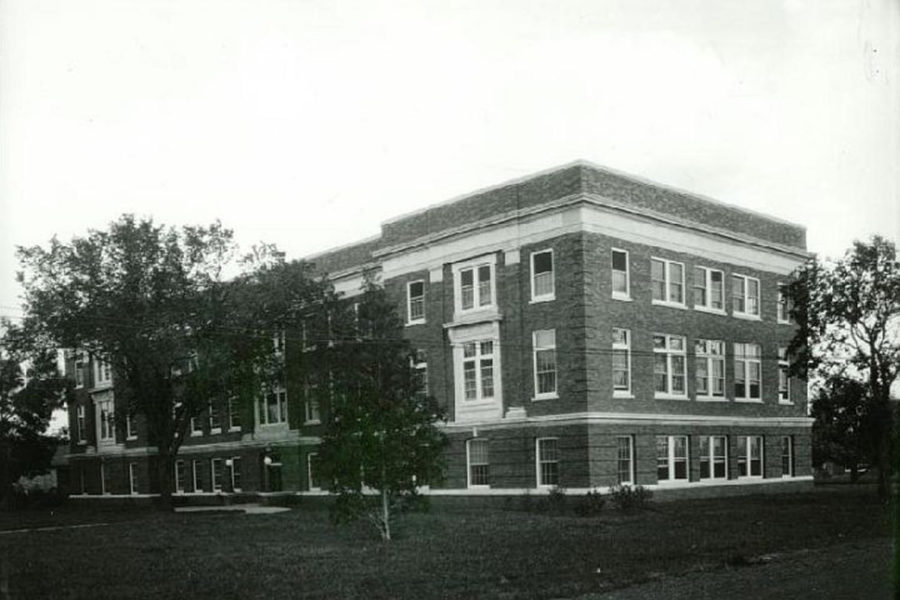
column 447, row 553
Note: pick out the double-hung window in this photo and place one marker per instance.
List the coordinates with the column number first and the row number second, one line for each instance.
column 621, row 361
column 196, row 427
column 102, row 373
column 714, row 457
column 545, row 363
column 197, row 475
column 234, row 414
column 132, row 478
column 625, row 459
column 79, row 367
column 415, row 302
column 80, row 423
column 216, row 472
column 667, row 279
column 784, row 377
column 671, row 458
column 621, row 285
column 787, row 456
column 180, row 476
column 542, row 285
column 479, row 462
column 747, row 372
column 669, row 366
column 475, row 286
column 750, row 456
column 745, row 295
column 130, row 426
column 420, row 367
column 106, row 418
column 235, row 468
column 710, row 368
column 278, row 340
column 314, row 482
column 478, row 371
column 215, row 419
column 312, row 414
column 709, row 289
column 547, row 462
column 272, row 407
column 784, row 304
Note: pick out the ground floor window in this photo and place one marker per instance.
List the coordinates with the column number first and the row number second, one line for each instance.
column 547, row 461
column 180, row 476
column 714, row 457
column 132, row 478
column 750, row 456
column 312, row 470
column 671, row 458
column 479, row 462
column 787, row 456
column 625, row 459
column 216, row 472
column 197, row 472
column 235, row 473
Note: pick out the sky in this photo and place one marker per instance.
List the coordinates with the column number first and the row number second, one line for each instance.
column 307, row 124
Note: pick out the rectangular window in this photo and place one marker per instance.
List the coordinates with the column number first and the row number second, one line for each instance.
column 670, row 366
column 103, row 489
column 542, row 285
column 547, row 462
column 709, row 290
column 80, row 421
column 130, row 426
column 106, row 418
column 236, row 474
column 216, row 472
column 787, row 456
column 714, row 457
column 750, row 456
column 545, row 363
column 745, row 295
column 132, row 478
column 278, row 342
column 621, row 284
column 747, row 372
column 479, row 462
column 415, row 307
column 710, row 368
column 314, row 482
column 215, row 421
column 671, row 458
column 474, row 285
column 625, row 459
column 197, row 475
column 478, row 370
column 80, row 366
column 180, row 476
column 667, row 279
column 621, row 361
column 420, row 366
column 102, row 373
column 784, row 304
column 784, row 377
column 234, row 414
column 196, row 427
column 313, row 414
column 272, row 407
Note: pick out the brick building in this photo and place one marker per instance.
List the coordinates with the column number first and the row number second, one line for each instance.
column 582, row 327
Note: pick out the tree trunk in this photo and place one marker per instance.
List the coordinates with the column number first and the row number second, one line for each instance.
column 165, row 469
column 385, row 516
column 854, row 473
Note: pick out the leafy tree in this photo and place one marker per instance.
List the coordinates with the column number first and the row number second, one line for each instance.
column 380, row 441
column 155, row 302
column 848, row 313
column 844, row 429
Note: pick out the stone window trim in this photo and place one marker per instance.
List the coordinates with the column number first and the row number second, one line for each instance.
column 543, row 286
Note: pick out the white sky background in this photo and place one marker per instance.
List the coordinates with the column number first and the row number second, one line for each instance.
column 307, row 124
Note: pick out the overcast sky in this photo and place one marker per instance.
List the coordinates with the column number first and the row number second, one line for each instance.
column 307, row 124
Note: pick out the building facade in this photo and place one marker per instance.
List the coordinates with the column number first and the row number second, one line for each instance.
column 582, row 328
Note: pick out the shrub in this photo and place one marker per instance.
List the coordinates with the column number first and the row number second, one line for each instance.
column 591, row 504
column 556, row 500
column 630, row 499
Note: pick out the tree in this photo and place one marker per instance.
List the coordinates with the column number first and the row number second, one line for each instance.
column 848, row 313
column 154, row 301
column 844, row 428
column 380, row 441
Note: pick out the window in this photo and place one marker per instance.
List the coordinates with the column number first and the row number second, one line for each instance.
column 745, row 295
column 709, row 289
column 180, row 476
column 547, row 462
column 235, row 474
column 747, row 385
column 667, row 281
column 80, row 365
column 415, row 295
column 542, row 286
column 714, row 457
column 545, row 363
column 621, row 287
column 278, row 342
column 130, row 426
column 312, row 471
column 710, row 368
column 102, row 373
column 621, row 361
column 669, row 367
column 272, row 407
column 132, row 478
column 106, row 421
column 197, row 473
column 313, row 414
column 784, row 377
column 215, row 420
column 787, row 456
column 474, row 284
column 196, row 427
column 750, row 456
column 478, row 371
column 103, row 489
column 234, row 414
column 420, row 366
column 479, row 463
column 784, row 304
column 79, row 423
column 625, row 459
column 671, row 458
column 216, row 472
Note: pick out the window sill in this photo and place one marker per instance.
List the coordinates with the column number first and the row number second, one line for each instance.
column 416, row 322
column 666, row 482
column 540, row 299
column 785, row 403
column 711, row 311
column 623, row 394
column 712, row 399
column 746, row 316
column 196, row 434
column 130, row 438
column 712, row 479
column 622, row 297
column 658, row 396
column 670, row 304
column 234, row 429
column 745, row 477
column 476, row 402
column 82, row 442
column 478, row 487
column 280, row 424
column 541, row 397
column 782, row 322
column 749, row 400
column 215, row 430
column 313, row 422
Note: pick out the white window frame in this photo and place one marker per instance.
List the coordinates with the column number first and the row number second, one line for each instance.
column 790, row 455
column 744, row 453
column 231, row 471
column 618, row 347
column 470, row 464
column 103, row 489
column 704, row 351
column 420, row 366
column 196, row 427
column 262, row 406
column 102, row 373
column 132, row 479
column 278, row 343
column 216, row 485
column 708, row 290
column 626, row 295
column 742, row 366
column 195, row 471
column 81, row 423
column 783, row 306
column 480, row 408
column 410, row 320
column 670, row 354
column 672, row 460
column 210, row 411
column 745, row 297
column 539, row 462
column 474, row 265
column 106, row 427
column 668, row 283
column 712, row 459
column 619, row 479
column 233, row 410
column 79, row 366
column 179, row 470
column 309, row 473
column 784, row 374
column 478, row 360
column 312, row 412
column 130, row 426
column 551, row 295
column 554, row 393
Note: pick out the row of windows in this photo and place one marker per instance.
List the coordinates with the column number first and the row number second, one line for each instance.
column 474, row 287
column 672, row 459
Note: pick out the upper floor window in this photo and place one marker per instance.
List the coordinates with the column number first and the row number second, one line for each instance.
column 545, row 363
column 106, row 421
column 542, row 286
column 80, row 366
column 313, row 414
column 474, row 282
column 621, row 287
column 278, row 342
column 709, row 289
column 196, row 427
column 478, row 370
column 621, row 361
column 479, row 462
column 79, row 423
column 415, row 302
column 667, row 281
column 547, row 462
column 747, row 370
column 102, row 373
column 180, row 476
column 784, row 304
column 784, row 377
column 234, row 414
column 745, row 295
column 272, row 407
column 215, row 419
column 710, row 368
column 130, row 426
column 670, row 366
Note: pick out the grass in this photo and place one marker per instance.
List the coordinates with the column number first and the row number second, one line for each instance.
column 448, row 553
